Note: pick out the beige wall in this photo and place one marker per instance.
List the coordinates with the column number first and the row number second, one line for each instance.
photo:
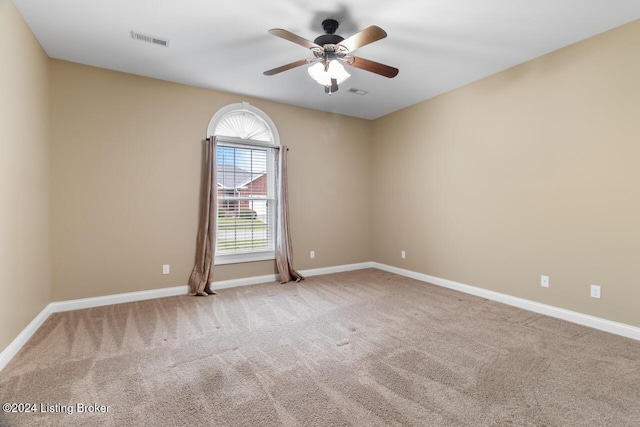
column 25, row 235
column 126, row 162
column 533, row 171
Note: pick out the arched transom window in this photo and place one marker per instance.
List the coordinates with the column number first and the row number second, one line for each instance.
column 243, row 121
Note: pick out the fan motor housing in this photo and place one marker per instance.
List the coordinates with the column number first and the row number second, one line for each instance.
column 329, row 26
column 328, row 39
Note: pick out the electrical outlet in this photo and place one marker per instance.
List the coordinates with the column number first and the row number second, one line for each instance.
column 165, row 269
column 595, row 291
column 403, row 254
column 544, row 281
column 312, row 254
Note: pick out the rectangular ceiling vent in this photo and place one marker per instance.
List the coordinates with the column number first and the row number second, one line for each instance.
column 357, row 91
column 150, row 39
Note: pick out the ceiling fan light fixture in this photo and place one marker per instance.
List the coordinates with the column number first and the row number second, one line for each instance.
column 335, row 70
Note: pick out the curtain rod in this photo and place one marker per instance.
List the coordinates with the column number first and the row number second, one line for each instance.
column 248, row 142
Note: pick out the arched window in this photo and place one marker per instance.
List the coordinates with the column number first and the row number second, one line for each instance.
column 246, row 183
column 243, row 121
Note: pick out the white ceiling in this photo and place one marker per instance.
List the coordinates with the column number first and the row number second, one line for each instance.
column 438, row 45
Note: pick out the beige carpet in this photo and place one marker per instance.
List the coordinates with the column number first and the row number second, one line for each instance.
column 365, row 348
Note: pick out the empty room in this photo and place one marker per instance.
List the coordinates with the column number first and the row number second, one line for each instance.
column 328, row 213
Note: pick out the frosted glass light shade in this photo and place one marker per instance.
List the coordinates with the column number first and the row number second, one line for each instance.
column 334, row 71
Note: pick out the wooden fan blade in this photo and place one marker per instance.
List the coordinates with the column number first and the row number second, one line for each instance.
column 288, row 66
column 288, row 35
column 372, row 66
column 363, row 38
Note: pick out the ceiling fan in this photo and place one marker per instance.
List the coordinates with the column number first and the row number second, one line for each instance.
column 330, row 51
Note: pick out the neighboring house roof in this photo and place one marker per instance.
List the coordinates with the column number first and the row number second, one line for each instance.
column 234, row 178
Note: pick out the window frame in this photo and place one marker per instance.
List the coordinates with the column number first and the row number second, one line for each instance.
column 251, row 255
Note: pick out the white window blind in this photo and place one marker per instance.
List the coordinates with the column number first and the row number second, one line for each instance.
column 246, row 200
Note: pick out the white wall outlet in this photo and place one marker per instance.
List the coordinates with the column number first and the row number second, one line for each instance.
column 312, row 254
column 165, row 269
column 595, row 291
column 403, row 254
column 544, row 281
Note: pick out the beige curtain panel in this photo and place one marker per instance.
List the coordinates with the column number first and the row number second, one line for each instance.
column 284, row 251
column 202, row 274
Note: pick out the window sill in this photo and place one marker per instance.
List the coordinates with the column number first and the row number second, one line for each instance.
column 246, row 257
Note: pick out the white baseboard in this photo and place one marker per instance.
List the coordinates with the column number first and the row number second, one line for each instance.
column 224, row 284
column 78, row 304
column 560, row 313
column 336, row 269
column 548, row 310
column 245, row 281
column 14, row 347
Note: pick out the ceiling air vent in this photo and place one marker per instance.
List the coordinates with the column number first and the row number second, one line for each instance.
column 150, row 39
column 358, row 91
